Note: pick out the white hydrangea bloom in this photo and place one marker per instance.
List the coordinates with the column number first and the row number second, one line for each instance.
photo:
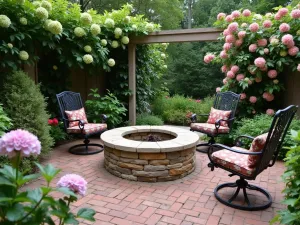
column 79, row 32
column 23, row 21
column 130, row 7
column 41, row 13
column 125, row 40
column 95, row 29
column 36, row 3
column 110, row 23
column 55, row 27
column 46, row 24
column 47, row 5
column 88, row 59
column 127, row 19
column 165, row 66
column 115, row 44
column 55, row 67
column 23, row 55
column 4, row 21
column 165, row 45
column 10, row 45
column 111, row 62
column 103, row 42
column 86, row 18
column 163, row 55
column 87, row 48
column 258, row 16
column 134, row 27
column 118, row 32
column 149, row 27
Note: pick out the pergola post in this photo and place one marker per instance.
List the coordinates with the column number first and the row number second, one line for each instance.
column 132, row 83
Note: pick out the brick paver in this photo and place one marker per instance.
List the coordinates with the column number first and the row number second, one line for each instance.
column 186, row 201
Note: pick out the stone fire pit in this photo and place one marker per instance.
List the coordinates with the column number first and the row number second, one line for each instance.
column 149, row 153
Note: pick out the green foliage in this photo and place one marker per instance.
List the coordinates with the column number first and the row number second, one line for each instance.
column 108, row 105
column 174, row 109
column 147, row 119
column 36, row 206
column 5, row 121
column 291, row 177
column 26, row 106
column 57, row 133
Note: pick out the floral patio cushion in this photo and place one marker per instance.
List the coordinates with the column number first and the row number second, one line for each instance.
column 209, row 129
column 89, row 128
column 216, row 114
column 234, row 161
column 257, row 145
column 76, row 115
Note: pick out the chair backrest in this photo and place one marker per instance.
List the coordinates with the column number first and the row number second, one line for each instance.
column 68, row 101
column 227, row 101
column 277, row 133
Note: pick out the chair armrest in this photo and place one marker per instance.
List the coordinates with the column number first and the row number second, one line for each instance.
column 218, row 122
column 80, row 123
column 237, row 141
column 104, row 118
column 194, row 117
column 235, row 150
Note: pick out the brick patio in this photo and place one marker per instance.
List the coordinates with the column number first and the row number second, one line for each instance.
column 186, row 201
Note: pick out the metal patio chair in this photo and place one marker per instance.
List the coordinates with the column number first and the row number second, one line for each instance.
column 247, row 164
column 70, row 103
column 225, row 101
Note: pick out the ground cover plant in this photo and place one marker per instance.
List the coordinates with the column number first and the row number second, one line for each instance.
column 148, row 119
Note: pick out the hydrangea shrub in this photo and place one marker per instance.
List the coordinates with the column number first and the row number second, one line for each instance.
column 257, row 49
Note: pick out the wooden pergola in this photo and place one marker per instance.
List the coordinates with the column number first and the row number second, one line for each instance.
column 169, row 36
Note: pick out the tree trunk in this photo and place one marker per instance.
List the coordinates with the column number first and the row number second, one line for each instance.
column 190, row 14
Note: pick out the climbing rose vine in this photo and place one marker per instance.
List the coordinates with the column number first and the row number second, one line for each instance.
column 257, row 49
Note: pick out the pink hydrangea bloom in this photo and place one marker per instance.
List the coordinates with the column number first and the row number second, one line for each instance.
column 234, row 68
column 229, row 18
column 226, row 32
column 266, row 51
column 250, row 82
column 243, row 96
column 253, row 112
column 246, row 12
column 242, row 34
column 238, row 42
column 293, row 51
column 268, row 96
column 233, row 27
column 224, row 69
column 19, row 141
column 74, row 182
column 295, row 13
column 270, row 112
column 258, row 79
column 253, row 99
column 223, row 55
column 290, row 45
column 225, row 81
column 221, row 16
column 287, row 39
column 262, row 42
column 240, row 77
column 283, row 11
column 208, row 58
column 230, row 74
column 252, row 48
column 235, row 14
column 272, row 74
column 265, row 68
column 254, row 27
column 218, row 89
column 260, row 62
column 230, row 38
column 267, row 24
column 284, row 27
column 298, row 67
column 227, row 46
column 277, row 16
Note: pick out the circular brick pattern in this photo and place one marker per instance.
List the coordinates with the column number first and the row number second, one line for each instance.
column 128, row 156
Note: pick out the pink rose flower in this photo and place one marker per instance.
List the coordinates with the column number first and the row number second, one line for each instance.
column 226, row 32
column 283, row 11
column 223, row 55
column 262, row 42
column 227, row 46
column 230, row 74
column 270, row 112
column 295, row 14
column 268, row 96
column 224, row 69
column 260, row 62
column 243, row 96
column 254, row 27
column 229, row 18
column 284, row 27
column 240, row 77
column 235, row 14
column 230, row 38
column 293, row 51
column 234, row 68
column 218, row 89
column 242, row 34
column 266, row 51
column 252, row 48
column 246, row 12
column 252, row 99
column 225, row 81
column 74, row 182
column 267, row 24
column 238, row 42
column 287, row 39
column 19, row 142
column 233, row 27
column 258, row 79
column 298, row 67
column 221, row 16
column 272, row 74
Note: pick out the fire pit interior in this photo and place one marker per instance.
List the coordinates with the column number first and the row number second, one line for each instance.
column 149, row 153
